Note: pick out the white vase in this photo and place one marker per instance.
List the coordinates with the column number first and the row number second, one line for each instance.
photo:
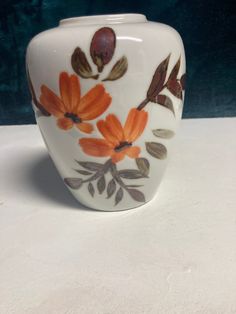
column 108, row 95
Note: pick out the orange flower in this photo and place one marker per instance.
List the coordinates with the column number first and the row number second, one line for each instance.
column 118, row 140
column 72, row 109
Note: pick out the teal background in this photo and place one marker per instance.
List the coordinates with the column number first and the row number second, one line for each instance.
column 207, row 29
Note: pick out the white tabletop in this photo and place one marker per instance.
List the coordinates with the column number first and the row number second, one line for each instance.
column 176, row 254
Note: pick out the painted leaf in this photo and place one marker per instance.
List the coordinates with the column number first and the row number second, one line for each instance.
column 111, row 188
column 136, row 195
column 156, row 150
column 101, row 184
column 92, row 166
column 183, row 81
column 175, row 88
column 134, row 185
column 131, row 174
column 163, row 133
column 81, row 65
column 143, row 165
column 119, row 196
column 42, row 110
column 74, row 183
column 158, row 79
column 84, row 172
column 175, row 71
column 164, row 101
column 102, row 47
column 91, row 189
column 118, row 70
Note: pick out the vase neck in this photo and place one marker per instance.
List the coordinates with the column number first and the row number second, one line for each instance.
column 103, row 19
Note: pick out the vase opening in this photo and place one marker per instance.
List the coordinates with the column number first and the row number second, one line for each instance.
column 103, row 19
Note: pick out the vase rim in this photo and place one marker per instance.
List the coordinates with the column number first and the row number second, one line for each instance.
column 104, row 19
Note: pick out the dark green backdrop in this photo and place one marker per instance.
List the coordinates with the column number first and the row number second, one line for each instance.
column 207, row 29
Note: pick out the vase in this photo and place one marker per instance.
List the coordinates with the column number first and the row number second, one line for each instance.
column 107, row 92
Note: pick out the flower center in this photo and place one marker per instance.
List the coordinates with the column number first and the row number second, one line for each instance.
column 122, row 146
column 73, row 117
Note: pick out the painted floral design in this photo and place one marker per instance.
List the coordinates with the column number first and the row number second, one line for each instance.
column 70, row 108
column 102, row 49
column 118, row 140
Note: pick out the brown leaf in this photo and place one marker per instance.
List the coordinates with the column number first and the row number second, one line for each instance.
column 143, row 165
column 118, row 70
column 74, row 183
column 111, row 188
column 81, row 65
column 84, row 172
column 175, row 71
column 183, row 81
column 175, row 88
column 156, row 150
column 158, row 79
column 163, row 133
column 102, row 47
column 91, row 189
column 131, row 174
column 136, row 195
column 92, row 166
column 101, row 184
column 164, row 101
column 119, row 196
column 43, row 111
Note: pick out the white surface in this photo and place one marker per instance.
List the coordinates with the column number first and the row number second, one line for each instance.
column 174, row 255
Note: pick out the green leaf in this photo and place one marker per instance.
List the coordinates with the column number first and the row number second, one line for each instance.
column 81, row 65
column 74, row 183
column 143, row 165
column 101, row 184
column 156, row 150
column 163, row 133
column 164, row 101
column 118, row 70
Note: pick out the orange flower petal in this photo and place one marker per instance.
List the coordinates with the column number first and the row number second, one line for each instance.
column 137, row 124
column 129, row 124
column 117, row 156
column 70, row 91
column 64, row 84
column 115, row 127
column 97, row 108
column 107, row 134
column 133, row 152
column 92, row 95
column 95, row 147
column 85, row 127
column 51, row 102
column 64, row 123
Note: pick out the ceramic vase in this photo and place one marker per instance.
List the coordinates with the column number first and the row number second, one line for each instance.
column 108, row 93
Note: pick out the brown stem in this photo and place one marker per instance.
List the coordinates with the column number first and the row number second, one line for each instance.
column 147, row 100
column 100, row 172
column 143, row 104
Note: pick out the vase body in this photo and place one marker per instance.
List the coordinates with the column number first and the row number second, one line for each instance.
column 108, row 96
